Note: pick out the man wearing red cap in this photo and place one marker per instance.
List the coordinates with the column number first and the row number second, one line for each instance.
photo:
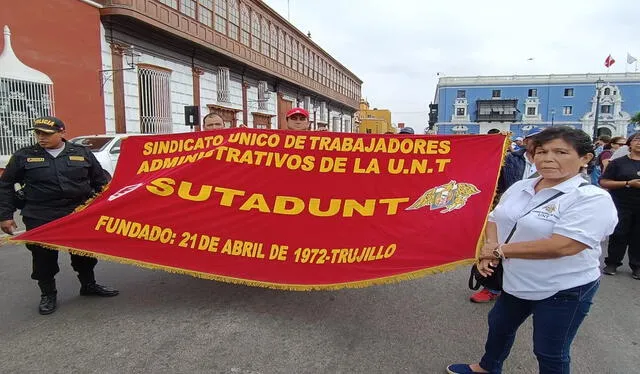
column 298, row 119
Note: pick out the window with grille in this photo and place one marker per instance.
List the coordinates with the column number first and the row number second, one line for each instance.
column 567, row 110
column 223, row 78
column 263, row 91
column 294, row 55
column 255, row 31
column 205, row 12
column 171, row 3
column 301, row 58
column 274, row 42
column 323, row 111
column 245, row 25
column 21, row 102
column 314, row 67
column 305, row 56
column 306, row 103
column 265, row 37
column 234, row 20
column 288, row 50
column 281, row 47
column 221, row 16
column 154, row 89
column 336, row 124
column 188, row 7
column 347, row 125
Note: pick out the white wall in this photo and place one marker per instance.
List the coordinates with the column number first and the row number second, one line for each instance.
column 107, row 92
column 208, row 92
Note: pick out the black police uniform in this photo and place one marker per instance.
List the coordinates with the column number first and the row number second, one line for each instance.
column 53, row 188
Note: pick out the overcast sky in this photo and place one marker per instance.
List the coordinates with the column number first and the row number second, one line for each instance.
column 398, row 47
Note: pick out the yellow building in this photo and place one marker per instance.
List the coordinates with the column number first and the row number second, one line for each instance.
column 373, row 121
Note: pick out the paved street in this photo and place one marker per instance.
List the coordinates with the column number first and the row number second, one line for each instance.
column 167, row 323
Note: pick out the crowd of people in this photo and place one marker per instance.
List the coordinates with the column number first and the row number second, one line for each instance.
column 546, row 228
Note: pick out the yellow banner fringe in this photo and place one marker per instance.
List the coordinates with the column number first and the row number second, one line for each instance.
column 288, row 287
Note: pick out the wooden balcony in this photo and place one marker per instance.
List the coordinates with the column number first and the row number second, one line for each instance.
column 180, row 25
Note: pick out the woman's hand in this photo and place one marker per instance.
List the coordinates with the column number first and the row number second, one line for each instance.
column 635, row 183
column 486, row 267
column 486, row 252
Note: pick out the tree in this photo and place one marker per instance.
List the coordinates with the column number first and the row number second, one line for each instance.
column 636, row 118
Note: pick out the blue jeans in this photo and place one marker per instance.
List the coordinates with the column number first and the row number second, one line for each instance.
column 555, row 324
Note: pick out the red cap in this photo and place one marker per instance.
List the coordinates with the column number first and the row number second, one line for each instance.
column 297, row 111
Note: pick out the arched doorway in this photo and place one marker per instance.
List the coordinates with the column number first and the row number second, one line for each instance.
column 604, row 131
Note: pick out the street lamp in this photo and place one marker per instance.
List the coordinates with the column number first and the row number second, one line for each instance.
column 553, row 115
column 599, row 85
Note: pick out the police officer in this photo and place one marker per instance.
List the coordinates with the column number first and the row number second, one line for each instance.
column 57, row 177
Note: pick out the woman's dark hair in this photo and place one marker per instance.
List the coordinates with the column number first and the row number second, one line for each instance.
column 632, row 136
column 616, row 140
column 578, row 139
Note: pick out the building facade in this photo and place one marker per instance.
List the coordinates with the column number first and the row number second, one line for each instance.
column 132, row 66
column 475, row 105
column 373, row 121
column 237, row 58
column 58, row 45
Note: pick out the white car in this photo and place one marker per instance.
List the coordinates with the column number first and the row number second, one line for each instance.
column 106, row 148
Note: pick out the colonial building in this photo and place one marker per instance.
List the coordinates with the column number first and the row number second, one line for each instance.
column 373, row 121
column 237, row 58
column 474, row 105
column 132, row 66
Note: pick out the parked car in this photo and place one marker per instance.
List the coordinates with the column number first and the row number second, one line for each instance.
column 106, row 148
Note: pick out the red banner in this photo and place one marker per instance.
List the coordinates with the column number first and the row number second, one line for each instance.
column 291, row 210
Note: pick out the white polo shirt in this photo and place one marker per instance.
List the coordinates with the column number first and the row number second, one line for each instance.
column 585, row 214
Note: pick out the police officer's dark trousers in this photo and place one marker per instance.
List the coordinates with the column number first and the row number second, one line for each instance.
column 45, row 262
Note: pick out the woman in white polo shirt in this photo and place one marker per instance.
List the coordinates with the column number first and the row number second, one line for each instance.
column 551, row 263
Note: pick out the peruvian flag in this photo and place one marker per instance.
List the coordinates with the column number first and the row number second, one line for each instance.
column 609, row 61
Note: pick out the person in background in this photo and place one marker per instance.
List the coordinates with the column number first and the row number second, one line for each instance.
column 551, row 264
column 298, row 119
column 58, row 177
column 594, row 169
column 609, row 150
column 407, row 131
column 600, row 143
column 212, row 121
column 518, row 144
column 518, row 165
column 622, row 179
column 621, row 152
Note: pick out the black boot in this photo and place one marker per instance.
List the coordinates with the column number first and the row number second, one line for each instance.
column 48, row 299
column 94, row 289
